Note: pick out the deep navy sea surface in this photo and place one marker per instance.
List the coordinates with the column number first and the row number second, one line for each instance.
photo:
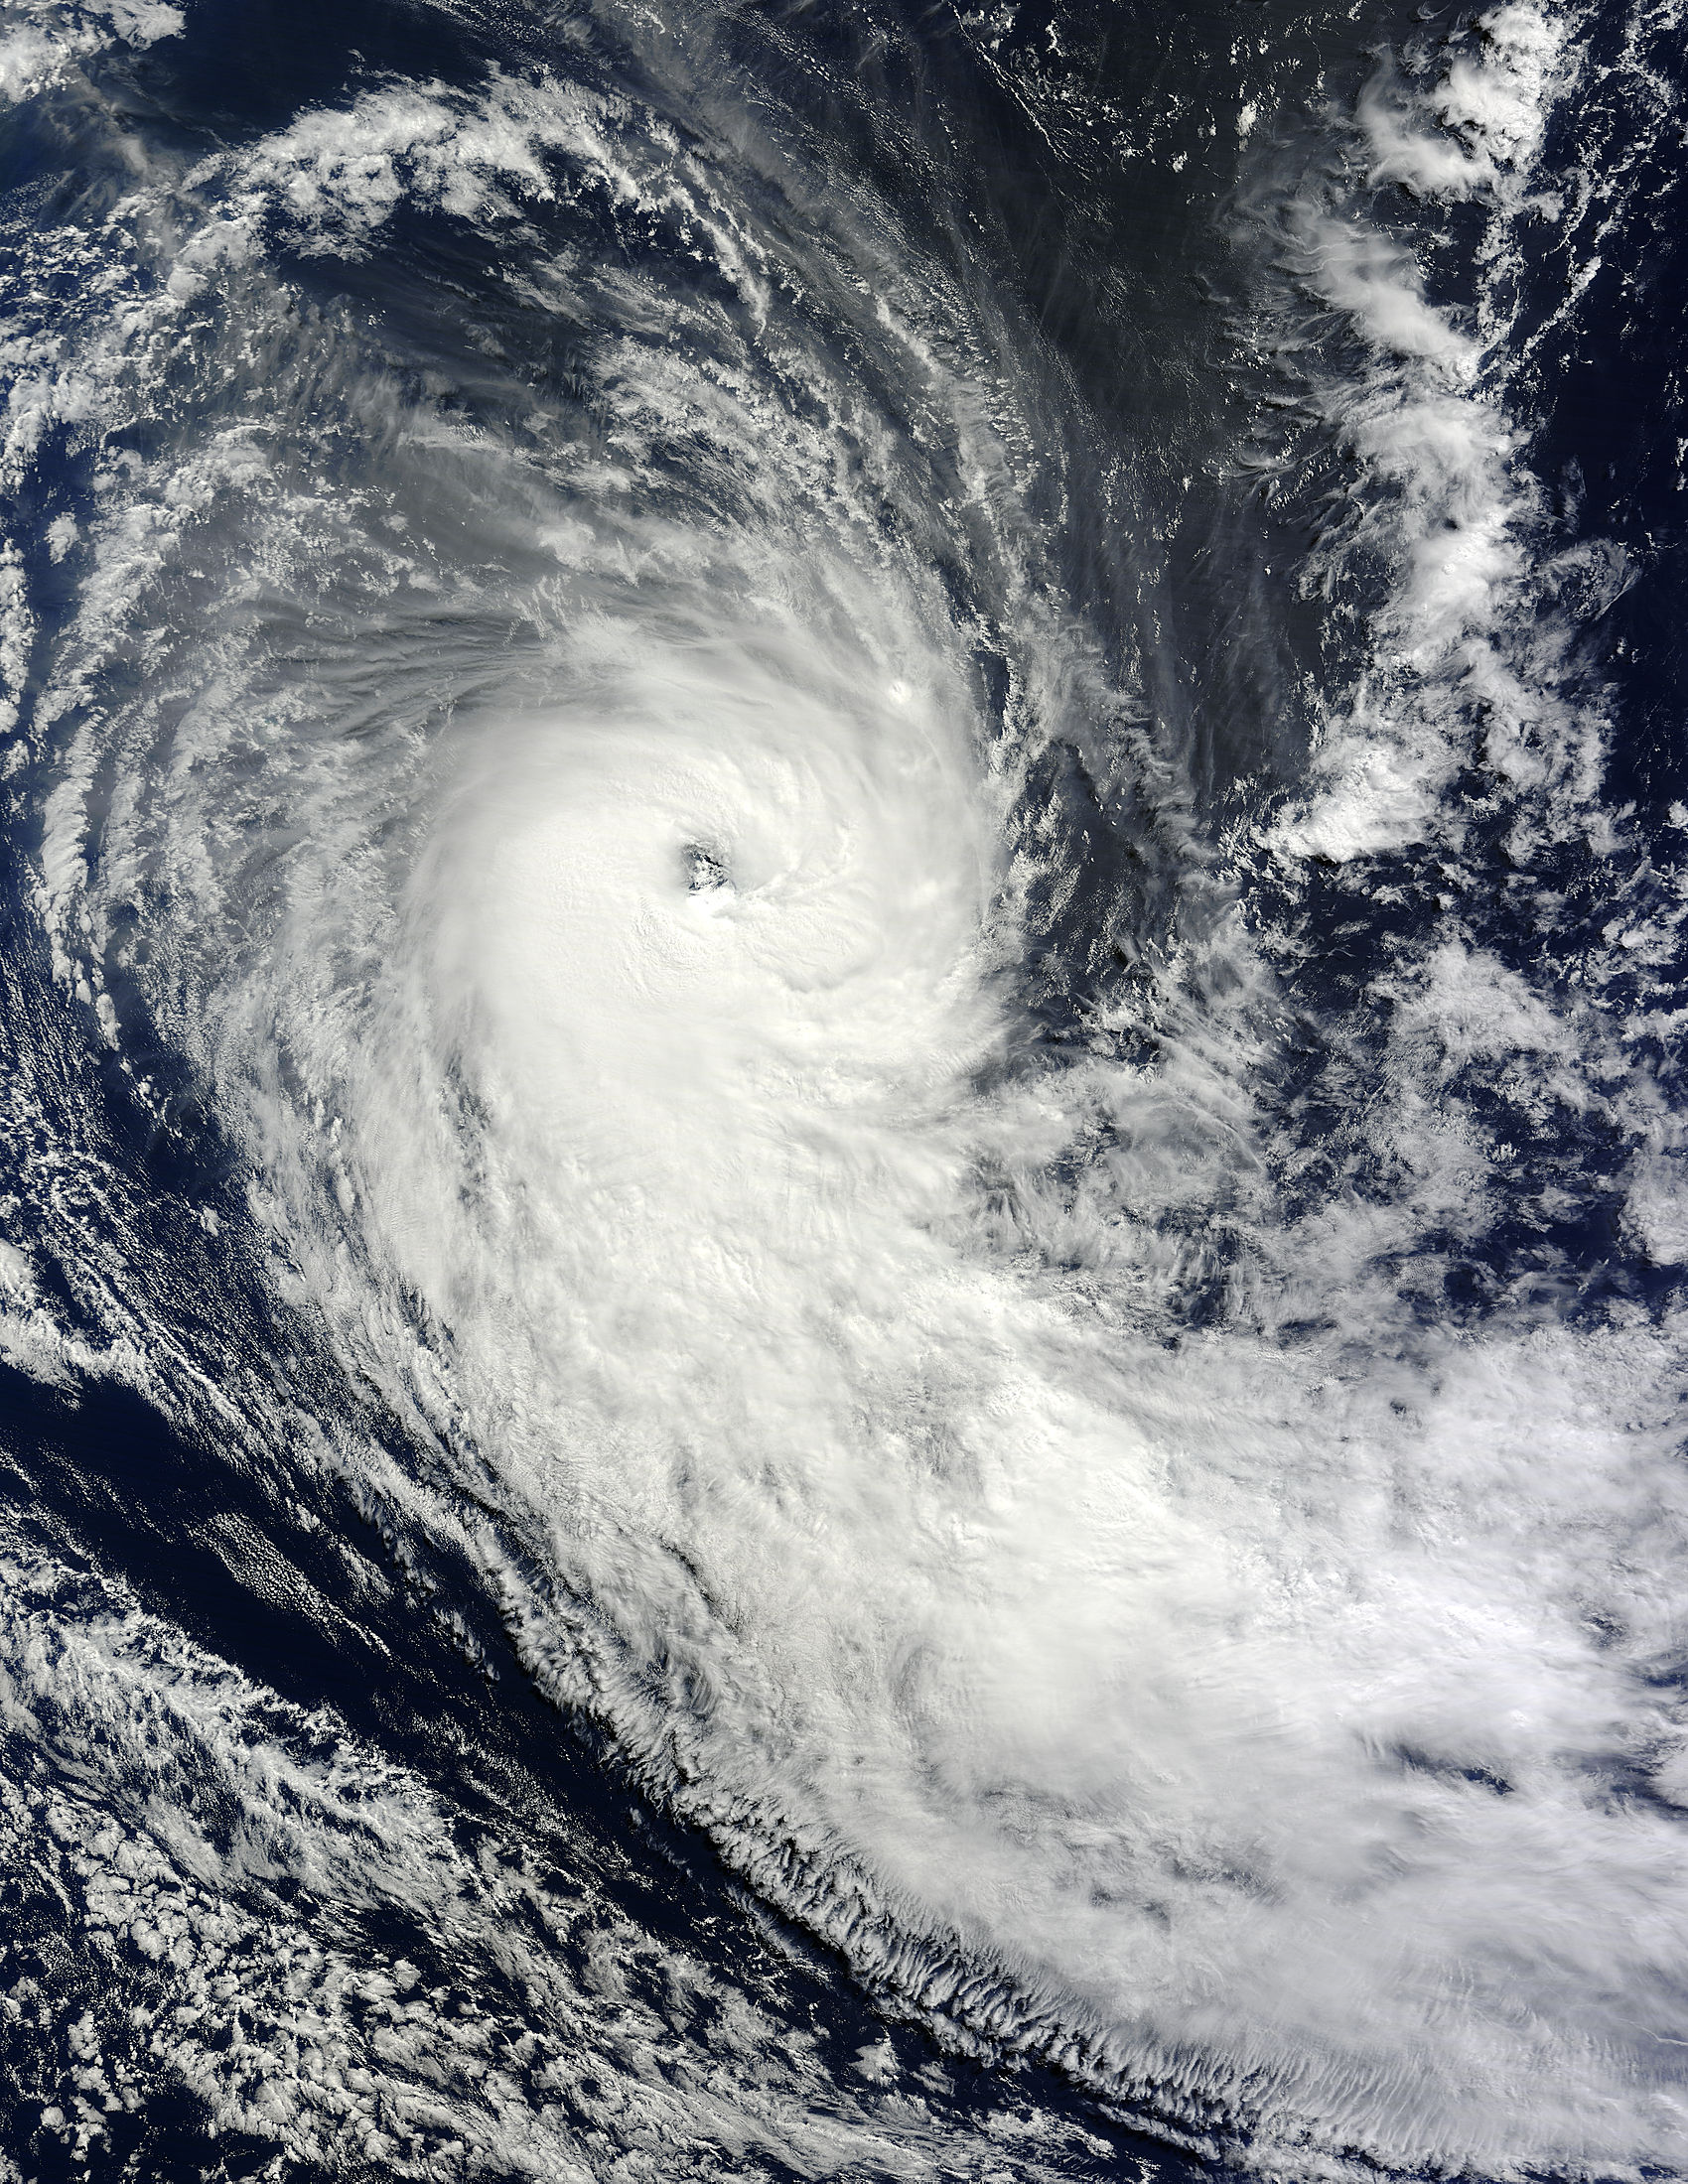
column 844, row 1177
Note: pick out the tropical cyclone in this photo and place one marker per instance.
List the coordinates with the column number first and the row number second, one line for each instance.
column 574, row 702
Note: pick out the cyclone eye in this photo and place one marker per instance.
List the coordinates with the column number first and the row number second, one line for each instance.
column 704, row 868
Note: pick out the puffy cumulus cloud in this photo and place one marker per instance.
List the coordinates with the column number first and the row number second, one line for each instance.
column 237, row 1881
column 1491, row 105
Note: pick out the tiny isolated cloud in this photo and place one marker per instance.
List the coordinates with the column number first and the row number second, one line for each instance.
column 877, row 2062
column 1591, row 577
